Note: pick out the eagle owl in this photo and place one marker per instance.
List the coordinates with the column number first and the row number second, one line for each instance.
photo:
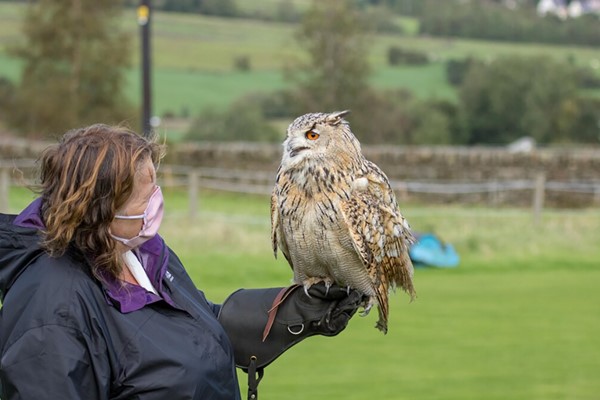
column 334, row 215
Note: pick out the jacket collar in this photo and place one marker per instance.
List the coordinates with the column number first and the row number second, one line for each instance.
column 126, row 297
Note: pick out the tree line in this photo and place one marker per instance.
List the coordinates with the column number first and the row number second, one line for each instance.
column 490, row 20
column 480, row 19
column 73, row 75
column 474, row 19
column 498, row 101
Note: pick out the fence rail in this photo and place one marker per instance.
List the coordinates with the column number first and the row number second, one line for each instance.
column 20, row 172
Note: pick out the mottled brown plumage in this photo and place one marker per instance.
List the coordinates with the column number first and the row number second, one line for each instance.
column 334, row 215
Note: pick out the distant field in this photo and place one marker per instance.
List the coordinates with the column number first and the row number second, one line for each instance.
column 266, row 7
column 194, row 56
column 10, row 17
column 428, row 81
column 10, row 68
column 444, row 49
column 518, row 319
column 197, row 42
column 176, row 91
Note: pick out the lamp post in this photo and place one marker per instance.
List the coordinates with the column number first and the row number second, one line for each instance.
column 144, row 19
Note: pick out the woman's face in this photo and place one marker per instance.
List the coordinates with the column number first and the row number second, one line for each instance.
column 144, row 183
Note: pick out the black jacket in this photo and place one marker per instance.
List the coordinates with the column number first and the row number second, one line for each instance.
column 60, row 337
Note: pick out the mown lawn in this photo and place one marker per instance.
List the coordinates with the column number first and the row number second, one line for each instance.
column 518, row 319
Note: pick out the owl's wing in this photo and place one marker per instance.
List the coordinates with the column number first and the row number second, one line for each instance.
column 380, row 235
column 379, row 187
column 396, row 231
column 277, row 235
column 274, row 220
column 363, row 219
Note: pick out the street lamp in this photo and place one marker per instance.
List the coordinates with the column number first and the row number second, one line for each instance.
column 144, row 19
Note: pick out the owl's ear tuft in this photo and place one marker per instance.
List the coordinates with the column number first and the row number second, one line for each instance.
column 336, row 117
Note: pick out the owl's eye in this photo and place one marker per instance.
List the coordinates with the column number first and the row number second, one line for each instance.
column 312, row 135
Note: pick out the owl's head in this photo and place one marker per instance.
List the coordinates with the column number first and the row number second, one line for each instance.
column 317, row 136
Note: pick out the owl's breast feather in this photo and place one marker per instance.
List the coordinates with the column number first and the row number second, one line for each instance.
column 320, row 236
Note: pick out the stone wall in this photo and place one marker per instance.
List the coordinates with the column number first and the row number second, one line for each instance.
column 417, row 164
column 453, row 164
column 414, row 163
column 12, row 148
column 456, row 163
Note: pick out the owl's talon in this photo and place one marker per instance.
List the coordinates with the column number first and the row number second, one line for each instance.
column 366, row 310
column 368, row 304
column 306, row 287
column 328, row 284
column 307, row 284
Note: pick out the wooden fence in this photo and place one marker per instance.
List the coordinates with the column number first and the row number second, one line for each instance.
column 20, row 173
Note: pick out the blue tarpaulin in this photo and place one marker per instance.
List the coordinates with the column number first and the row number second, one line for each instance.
column 429, row 250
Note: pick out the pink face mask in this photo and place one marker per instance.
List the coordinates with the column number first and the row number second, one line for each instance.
column 152, row 217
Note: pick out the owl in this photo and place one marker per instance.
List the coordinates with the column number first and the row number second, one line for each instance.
column 335, row 217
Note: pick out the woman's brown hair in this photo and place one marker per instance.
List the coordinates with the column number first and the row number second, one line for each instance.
column 84, row 179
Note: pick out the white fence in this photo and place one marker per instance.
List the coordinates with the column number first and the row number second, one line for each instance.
column 20, row 173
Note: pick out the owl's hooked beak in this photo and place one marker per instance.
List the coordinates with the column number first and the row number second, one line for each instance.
column 294, row 152
column 293, row 146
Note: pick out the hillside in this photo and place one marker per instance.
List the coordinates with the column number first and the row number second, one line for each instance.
column 194, row 58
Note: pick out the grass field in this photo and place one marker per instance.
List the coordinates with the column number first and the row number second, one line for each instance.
column 194, row 56
column 518, row 319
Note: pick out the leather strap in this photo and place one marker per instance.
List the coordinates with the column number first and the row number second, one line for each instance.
column 280, row 298
column 256, row 374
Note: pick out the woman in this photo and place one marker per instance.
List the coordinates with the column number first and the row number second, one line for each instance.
column 96, row 306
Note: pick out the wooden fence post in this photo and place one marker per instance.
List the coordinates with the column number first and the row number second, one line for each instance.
column 193, row 186
column 4, row 189
column 402, row 192
column 167, row 173
column 494, row 194
column 538, row 198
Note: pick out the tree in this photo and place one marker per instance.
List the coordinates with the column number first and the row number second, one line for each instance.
column 74, row 57
column 225, row 8
column 518, row 96
column 7, row 95
column 333, row 73
column 242, row 121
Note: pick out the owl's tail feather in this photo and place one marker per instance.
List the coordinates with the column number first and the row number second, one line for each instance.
column 382, row 322
column 404, row 277
column 382, row 326
column 382, row 307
